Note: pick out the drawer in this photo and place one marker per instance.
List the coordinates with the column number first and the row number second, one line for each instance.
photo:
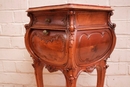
column 49, row 45
column 49, row 19
column 91, row 19
column 92, row 45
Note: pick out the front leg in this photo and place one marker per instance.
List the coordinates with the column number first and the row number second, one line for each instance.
column 101, row 70
column 38, row 67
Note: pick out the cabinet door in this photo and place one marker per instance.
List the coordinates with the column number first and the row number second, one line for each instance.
column 92, row 45
column 49, row 45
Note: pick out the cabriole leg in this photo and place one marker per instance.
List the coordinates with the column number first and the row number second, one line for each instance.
column 38, row 67
column 101, row 70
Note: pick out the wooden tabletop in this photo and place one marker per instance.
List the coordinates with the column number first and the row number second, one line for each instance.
column 71, row 6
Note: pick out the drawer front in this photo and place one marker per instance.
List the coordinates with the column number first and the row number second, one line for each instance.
column 92, row 45
column 49, row 45
column 91, row 18
column 50, row 19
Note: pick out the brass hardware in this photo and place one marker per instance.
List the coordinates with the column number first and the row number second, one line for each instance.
column 45, row 32
column 48, row 20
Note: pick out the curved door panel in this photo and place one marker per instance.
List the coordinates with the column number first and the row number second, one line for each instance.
column 92, row 45
column 49, row 45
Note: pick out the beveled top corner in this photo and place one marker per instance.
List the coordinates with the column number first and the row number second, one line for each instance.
column 71, row 6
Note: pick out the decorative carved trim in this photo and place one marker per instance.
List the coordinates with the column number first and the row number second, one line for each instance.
column 36, row 62
column 71, row 39
column 51, row 68
column 27, row 26
column 71, row 74
column 71, row 28
column 106, row 66
column 71, row 21
column 110, row 24
column 102, row 64
column 51, row 39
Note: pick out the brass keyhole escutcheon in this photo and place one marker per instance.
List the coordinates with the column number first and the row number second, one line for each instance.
column 45, row 32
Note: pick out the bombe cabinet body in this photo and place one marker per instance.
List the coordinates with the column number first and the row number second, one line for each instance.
column 72, row 38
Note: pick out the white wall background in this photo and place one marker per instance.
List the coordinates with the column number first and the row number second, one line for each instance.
column 15, row 62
